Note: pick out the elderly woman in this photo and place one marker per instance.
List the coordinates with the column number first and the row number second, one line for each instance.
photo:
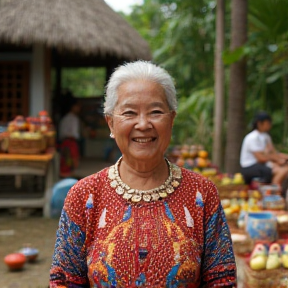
column 142, row 222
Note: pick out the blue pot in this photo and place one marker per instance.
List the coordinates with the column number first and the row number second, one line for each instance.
column 262, row 226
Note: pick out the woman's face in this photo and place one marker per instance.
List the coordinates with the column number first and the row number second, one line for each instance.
column 141, row 121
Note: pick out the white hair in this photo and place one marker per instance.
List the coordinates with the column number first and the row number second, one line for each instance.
column 139, row 70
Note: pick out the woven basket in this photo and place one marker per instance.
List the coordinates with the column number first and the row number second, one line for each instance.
column 263, row 278
column 50, row 139
column 232, row 187
column 229, row 191
column 232, row 220
column 4, row 140
column 283, row 227
column 26, row 146
column 244, row 247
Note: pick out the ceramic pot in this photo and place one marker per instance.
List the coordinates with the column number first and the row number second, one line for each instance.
column 262, row 226
column 30, row 253
column 15, row 261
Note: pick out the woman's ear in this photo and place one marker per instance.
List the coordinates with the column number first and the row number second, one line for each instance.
column 109, row 120
column 173, row 115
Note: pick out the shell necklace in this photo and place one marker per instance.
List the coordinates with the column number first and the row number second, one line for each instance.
column 135, row 195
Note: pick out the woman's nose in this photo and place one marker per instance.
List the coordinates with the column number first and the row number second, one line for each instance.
column 143, row 122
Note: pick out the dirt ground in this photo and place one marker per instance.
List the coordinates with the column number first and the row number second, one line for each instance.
column 18, row 229
column 40, row 233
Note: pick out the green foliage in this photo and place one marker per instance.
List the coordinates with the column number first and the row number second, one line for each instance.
column 194, row 120
column 181, row 36
column 230, row 57
column 268, row 40
column 188, row 47
column 267, row 60
column 83, row 82
column 150, row 22
column 267, row 56
column 269, row 18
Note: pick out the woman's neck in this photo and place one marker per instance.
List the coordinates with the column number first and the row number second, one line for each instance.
column 143, row 176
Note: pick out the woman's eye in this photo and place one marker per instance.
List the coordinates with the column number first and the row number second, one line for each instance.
column 157, row 112
column 129, row 113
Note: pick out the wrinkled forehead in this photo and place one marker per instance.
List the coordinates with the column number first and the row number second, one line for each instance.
column 141, row 92
column 139, row 84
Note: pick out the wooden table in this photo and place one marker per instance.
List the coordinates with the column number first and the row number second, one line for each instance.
column 46, row 164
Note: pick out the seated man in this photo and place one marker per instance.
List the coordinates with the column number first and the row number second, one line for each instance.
column 258, row 156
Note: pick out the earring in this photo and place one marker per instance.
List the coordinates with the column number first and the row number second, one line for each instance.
column 111, row 135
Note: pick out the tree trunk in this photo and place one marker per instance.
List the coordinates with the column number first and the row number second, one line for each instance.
column 285, row 107
column 237, row 88
column 217, row 153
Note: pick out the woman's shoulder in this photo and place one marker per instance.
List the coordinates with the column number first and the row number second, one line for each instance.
column 92, row 182
column 80, row 193
column 87, row 185
column 204, row 190
column 190, row 177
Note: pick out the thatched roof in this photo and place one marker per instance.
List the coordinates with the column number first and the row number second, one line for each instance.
column 85, row 26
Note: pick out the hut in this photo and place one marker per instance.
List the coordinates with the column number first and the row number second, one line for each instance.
column 37, row 36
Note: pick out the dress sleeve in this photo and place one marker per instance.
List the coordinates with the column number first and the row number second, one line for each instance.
column 218, row 263
column 69, row 268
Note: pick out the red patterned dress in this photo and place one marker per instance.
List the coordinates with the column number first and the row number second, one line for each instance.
column 181, row 240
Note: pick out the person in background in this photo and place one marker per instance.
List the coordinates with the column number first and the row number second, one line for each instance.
column 142, row 222
column 259, row 158
column 69, row 136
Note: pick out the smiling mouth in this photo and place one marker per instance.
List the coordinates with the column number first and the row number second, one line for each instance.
column 144, row 140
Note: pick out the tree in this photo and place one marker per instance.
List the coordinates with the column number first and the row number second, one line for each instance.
column 268, row 62
column 219, row 85
column 237, row 87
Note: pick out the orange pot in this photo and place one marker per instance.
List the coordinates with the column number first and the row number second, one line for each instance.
column 15, row 261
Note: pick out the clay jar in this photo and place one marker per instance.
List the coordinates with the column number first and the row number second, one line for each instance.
column 31, row 254
column 262, row 226
column 15, row 261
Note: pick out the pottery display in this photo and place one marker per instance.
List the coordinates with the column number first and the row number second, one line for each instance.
column 15, row 261
column 271, row 189
column 274, row 257
column 262, row 226
column 258, row 257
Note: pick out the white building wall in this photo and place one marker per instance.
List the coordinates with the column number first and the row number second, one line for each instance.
column 37, row 80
